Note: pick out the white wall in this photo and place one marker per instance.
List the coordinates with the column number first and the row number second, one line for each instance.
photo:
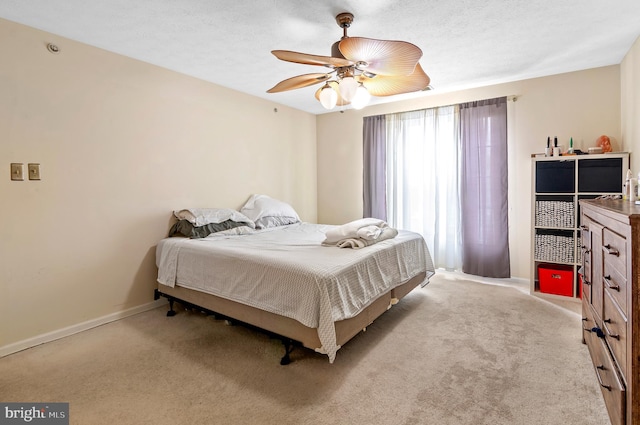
column 121, row 144
column 582, row 105
column 630, row 101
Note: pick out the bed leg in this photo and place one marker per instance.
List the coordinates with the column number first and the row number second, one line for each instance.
column 171, row 311
column 288, row 348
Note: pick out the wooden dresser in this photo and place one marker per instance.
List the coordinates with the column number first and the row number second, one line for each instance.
column 610, row 233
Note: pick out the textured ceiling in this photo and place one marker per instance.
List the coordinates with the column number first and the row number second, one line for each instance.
column 465, row 43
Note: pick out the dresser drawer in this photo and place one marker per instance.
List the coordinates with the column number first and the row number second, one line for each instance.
column 614, row 325
column 614, row 251
column 585, row 270
column 585, row 281
column 615, row 284
column 589, row 321
column 613, row 390
column 585, row 237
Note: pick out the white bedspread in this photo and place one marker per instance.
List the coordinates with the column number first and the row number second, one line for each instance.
column 287, row 271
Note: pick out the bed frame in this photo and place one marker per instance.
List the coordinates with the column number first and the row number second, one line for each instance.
column 290, row 331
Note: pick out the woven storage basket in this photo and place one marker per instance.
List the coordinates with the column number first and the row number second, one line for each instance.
column 558, row 214
column 554, row 248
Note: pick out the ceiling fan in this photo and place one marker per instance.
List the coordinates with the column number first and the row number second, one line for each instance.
column 360, row 68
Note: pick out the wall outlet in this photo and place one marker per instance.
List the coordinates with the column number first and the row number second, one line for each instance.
column 17, row 171
column 34, row 171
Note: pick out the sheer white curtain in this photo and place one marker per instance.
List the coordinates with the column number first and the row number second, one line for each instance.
column 422, row 171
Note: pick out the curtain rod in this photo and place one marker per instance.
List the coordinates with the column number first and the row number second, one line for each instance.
column 511, row 97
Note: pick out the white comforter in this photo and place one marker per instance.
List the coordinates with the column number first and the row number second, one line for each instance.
column 287, row 271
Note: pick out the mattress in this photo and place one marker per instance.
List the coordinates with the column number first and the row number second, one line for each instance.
column 287, row 271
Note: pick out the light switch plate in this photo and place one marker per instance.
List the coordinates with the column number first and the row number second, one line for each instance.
column 34, row 171
column 17, row 171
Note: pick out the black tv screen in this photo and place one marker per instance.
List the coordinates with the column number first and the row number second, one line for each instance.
column 600, row 175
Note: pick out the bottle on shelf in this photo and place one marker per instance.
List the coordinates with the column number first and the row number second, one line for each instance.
column 556, row 148
column 547, row 151
column 630, row 187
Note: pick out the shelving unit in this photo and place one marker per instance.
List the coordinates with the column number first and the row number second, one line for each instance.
column 558, row 183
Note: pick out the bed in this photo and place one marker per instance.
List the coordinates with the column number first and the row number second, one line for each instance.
column 282, row 279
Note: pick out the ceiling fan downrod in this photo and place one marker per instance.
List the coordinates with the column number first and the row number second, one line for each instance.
column 344, row 21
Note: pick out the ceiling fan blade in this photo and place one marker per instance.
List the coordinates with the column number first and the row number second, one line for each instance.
column 384, row 57
column 385, row 85
column 304, row 58
column 299, row 82
column 334, row 85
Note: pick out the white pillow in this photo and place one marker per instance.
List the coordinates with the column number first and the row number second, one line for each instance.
column 268, row 212
column 203, row 216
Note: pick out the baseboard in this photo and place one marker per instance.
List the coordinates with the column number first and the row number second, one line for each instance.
column 515, row 281
column 74, row 329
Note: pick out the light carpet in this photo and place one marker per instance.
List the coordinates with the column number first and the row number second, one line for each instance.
column 454, row 352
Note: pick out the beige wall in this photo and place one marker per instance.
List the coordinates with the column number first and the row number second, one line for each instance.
column 582, row 105
column 121, row 144
column 630, row 100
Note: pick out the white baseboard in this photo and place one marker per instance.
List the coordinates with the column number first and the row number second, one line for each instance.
column 74, row 329
column 488, row 279
column 517, row 282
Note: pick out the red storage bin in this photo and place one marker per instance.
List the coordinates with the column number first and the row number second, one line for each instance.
column 556, row 280
column 579, row 286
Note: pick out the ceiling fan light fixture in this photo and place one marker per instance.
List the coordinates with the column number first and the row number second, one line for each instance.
column 348, row 86
column 387, row 67
column 328, row 97
column 361, row 97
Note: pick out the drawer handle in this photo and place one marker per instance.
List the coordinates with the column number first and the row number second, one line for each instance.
column 598, row 369
column 585, row 249
column 597, row 331
column 586, row 282
column 584, row 319
column 585, row 227
column 611, row 251
column 616, row 336
column 607, row 281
